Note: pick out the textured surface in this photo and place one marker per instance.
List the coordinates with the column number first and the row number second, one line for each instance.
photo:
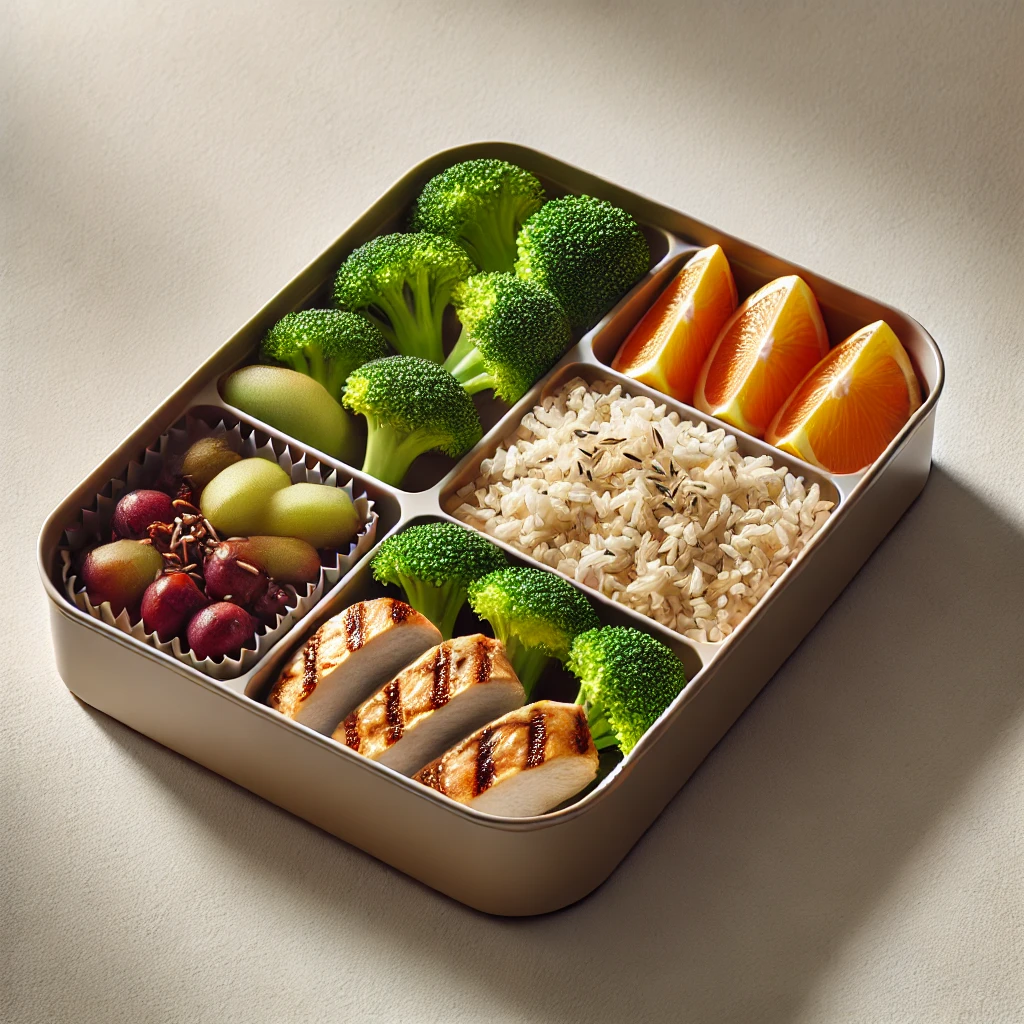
column 853, row 851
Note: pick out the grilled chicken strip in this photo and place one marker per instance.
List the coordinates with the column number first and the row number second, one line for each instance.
column 347, row 658
column 446, row 693
column 524, row 763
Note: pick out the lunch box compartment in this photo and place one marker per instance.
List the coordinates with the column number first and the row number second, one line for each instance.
column 591, row 373
column 843, row 313
column 379, row 508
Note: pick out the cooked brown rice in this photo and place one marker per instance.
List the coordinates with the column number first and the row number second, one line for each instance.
column 659, row 514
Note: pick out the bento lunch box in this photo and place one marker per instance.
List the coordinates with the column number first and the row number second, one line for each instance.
column 500, row 865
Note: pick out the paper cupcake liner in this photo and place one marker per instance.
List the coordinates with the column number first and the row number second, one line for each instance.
column 95, row 525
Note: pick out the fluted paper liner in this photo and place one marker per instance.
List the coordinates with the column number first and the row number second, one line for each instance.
column 96, row 525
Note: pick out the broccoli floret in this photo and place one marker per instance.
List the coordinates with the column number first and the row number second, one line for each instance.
column 513, row 331
column 480, row 204
column 434, row 563
column 584, row 250
column 535, row 614
column 325, row 344
column 403, row 284
column 411, row 406
column 627, row 679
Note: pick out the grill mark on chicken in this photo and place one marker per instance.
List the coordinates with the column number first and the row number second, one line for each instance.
column 399, row 612
column 484, row 662
column 582, row 733
column 485, row 768
column 536, row 741
column 353, row 626
column 352, row 731
column 309, row 666
column 440, row 692
column 393, row 712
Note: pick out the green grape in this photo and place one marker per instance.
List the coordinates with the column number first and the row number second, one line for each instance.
column 235, row 500
column 294, row 404
column 316, row 513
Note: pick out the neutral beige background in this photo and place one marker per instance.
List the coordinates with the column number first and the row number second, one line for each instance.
column 853, row 850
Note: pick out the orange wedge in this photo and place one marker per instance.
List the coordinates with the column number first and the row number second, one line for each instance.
column 845, row 412
column 668, row 346
column 761, row 354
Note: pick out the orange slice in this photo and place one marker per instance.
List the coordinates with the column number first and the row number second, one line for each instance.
column 845, row 412
column 668, row 346
column 761, row 354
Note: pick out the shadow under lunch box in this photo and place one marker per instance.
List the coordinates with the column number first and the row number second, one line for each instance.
column 511, row 866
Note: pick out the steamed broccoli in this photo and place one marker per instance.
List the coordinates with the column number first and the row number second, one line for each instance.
column 411, row 406
column 403, row 283
column 434, row 563
column 513, row 331
column 584, row 250
column 535, row 614
column 325, row 344
column 480, row 204
column 627, row 679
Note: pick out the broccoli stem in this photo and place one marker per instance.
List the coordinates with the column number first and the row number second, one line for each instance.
column 442, row 299
column 334, row 381
column 462, row 348
column 429, row 310
column 439, row 604
column 529, row 662
column 416, row 331
column 317, row 370
column 601, row 731
column 390, row 451
column 491, row 239
column 326, row 371
column 466, row 365
column 310, row 360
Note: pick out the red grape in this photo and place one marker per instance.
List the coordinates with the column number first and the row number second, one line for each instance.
column 229, row 576
column 120, row 572
column 169, row 602
column 138, row 510
column 220, row 628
